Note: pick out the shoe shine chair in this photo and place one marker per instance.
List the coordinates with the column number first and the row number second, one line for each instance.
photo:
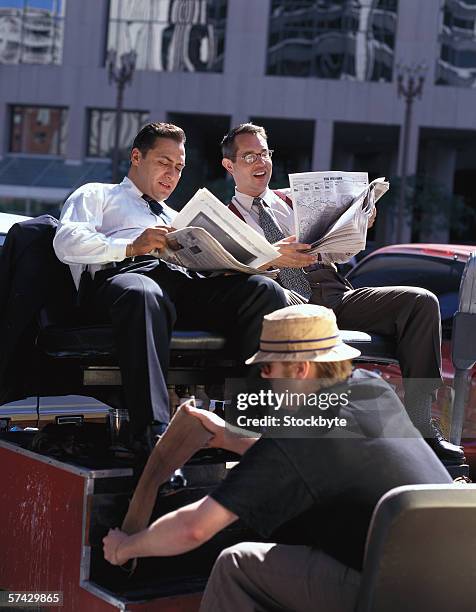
column 422, row 533
column 463, row 347
column 419, row 552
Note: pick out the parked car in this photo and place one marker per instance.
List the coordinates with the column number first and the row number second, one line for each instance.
column 438, row 268
column 24, row 412
column 346, row 267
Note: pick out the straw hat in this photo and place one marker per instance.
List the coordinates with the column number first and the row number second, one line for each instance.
column 301, row 333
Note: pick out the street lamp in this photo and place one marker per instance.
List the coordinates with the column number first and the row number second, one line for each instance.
column 120, row 75
column 410, row 80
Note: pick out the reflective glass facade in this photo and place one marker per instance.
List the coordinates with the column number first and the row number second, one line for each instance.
column 332, row 39
column 38, row 130
column 457, row 62
column 102, row 131
column 31, row 31
column 170, row 35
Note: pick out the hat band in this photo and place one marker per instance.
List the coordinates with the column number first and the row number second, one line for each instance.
column 263, row 341
column 313, row 350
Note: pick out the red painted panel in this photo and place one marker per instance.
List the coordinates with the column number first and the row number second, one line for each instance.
column 41, row 514
column 41, row 523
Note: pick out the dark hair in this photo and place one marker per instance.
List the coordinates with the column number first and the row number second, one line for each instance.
column 228, row 146
column 145, row 139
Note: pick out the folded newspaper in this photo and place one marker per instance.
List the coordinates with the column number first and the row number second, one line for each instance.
column 332, row 210
column 208, row 236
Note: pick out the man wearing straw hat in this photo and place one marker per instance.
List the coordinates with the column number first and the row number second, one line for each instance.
column 310, row 493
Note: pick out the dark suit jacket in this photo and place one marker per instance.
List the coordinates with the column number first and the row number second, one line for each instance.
column 31, row 277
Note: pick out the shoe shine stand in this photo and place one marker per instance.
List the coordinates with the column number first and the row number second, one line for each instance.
column 54, row 514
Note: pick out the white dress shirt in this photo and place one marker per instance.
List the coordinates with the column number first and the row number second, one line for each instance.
column 97, row 223
column 281, row 211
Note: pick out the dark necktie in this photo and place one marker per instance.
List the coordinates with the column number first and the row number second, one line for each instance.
column 155, row 207
column 291, row 278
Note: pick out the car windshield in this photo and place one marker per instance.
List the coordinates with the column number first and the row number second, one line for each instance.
column 441, row 276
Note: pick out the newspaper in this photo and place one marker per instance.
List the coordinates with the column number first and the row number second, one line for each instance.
column 332, row 210
column 208, row 236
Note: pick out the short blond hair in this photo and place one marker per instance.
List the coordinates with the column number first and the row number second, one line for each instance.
column 327, row 372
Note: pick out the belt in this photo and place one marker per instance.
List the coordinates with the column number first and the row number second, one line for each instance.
column 127, row 261
column 318, row 266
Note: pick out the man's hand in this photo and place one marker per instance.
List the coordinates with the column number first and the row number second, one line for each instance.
column 372, row 218
column 153, row 238
column 223, row 437
column 111, row 543
column 213, row 423
column 291, row 255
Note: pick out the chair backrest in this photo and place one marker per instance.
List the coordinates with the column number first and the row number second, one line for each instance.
column 463, row 345
column 467, row 290
column 421, row 552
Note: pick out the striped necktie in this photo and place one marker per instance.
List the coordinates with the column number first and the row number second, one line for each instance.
column 291, row 278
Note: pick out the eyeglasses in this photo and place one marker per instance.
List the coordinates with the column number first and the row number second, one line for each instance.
column 251, row 158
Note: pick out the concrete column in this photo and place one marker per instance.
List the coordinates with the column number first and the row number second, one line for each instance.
column 5, row 131
column 157, row 115
column 245, row 42
column 386, row 213
column 76, row 136
column 417, row 40
column 412, row 161
column 412, row 154
column 322, row 148
column 238, row 117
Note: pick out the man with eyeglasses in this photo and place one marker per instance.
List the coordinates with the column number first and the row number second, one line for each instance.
column 410, row 314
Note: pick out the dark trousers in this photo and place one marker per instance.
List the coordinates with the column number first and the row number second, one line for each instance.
column 261, row 577
column 410, row 314
column 144, row 300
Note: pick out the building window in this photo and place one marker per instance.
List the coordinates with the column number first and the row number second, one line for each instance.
column 203, row 168
column 332, row 39
column 38, row 130
column 457, row 62
column 292, row 141
column 170, row 35
column 102, row 131
column 31, row 31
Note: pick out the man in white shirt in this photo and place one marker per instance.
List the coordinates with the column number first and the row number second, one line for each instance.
column 410, row 314
column 109, row 231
